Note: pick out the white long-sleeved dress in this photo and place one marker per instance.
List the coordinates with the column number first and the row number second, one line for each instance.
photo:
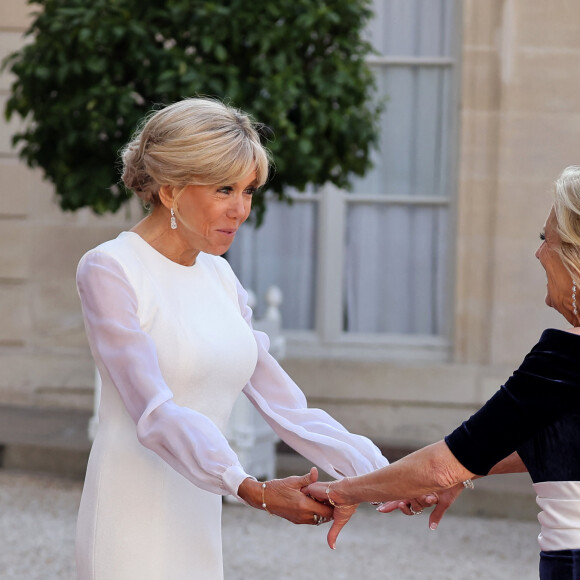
column 174, row 347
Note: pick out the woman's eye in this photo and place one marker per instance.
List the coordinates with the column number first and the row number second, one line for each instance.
column 542, row 236
column 227, row 189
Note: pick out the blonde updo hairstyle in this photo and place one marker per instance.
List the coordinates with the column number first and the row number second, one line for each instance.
column 567, row 211
column 196, row 141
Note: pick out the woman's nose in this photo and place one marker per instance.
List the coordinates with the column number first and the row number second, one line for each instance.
column 237, row 207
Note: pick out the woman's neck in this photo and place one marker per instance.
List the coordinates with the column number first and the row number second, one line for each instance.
column 156, row 231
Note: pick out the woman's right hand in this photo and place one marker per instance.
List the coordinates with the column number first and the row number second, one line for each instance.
column 284, row 498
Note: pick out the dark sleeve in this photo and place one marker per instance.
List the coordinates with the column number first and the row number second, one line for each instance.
column 545, row 388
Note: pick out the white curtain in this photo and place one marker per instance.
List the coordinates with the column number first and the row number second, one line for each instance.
column 395, row 258
column 281, row 252
column 412, row 27
column 397, row 254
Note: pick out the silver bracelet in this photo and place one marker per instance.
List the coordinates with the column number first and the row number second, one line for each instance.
column 468, row 484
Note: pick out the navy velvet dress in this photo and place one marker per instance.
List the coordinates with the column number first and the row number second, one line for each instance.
column 537, row 414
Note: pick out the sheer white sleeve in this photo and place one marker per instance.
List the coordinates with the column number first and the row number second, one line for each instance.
column 187, row 440
column 311, row 432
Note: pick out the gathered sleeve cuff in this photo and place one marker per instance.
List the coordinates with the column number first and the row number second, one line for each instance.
column 544, row 388
column 186, row 439
column 310, row 431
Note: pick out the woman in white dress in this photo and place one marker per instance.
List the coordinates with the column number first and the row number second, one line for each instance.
column 170, row 331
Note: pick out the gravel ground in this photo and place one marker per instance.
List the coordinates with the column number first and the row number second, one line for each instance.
column 37, row 521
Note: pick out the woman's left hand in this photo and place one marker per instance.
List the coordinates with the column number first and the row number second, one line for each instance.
column 409, row 507
column 415, row 506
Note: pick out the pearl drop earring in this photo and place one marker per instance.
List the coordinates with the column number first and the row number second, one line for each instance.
column 173, row 221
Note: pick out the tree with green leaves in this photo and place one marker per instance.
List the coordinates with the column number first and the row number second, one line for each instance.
column 92, row 70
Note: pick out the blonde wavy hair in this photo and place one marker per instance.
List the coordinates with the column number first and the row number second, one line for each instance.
column 567, row 211
column 196, row 141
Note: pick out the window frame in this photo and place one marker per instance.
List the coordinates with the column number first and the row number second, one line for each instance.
column 328, row 339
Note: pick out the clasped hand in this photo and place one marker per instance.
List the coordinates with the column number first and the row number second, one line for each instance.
column 341, row 513
column 441, row 500
column 304, row 500
column 284, row 498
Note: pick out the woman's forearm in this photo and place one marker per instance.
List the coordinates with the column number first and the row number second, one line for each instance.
column 431, row 469
column 511, row 464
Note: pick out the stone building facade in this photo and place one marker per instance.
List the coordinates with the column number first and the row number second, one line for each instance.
column 518, row 127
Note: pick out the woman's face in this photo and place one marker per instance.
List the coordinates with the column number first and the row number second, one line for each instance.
column 208, row 216
column 559, row 288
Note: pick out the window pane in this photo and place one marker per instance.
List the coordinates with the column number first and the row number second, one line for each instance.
column 414, row 145
column 395, row 269
column 412, row 27
column 282, row 253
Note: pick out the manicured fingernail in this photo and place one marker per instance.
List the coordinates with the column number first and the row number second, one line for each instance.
column 433, row 526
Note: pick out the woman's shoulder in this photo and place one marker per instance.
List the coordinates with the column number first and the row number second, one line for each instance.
column 114, row 255
column 555, row 334
column 556, row 343
column 116, row 246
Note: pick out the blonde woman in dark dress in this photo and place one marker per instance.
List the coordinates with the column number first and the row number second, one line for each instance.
column 531, row 424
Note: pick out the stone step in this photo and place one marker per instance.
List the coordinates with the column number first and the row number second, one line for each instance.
column 44, row 439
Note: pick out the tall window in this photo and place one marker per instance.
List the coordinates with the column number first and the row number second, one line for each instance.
column 367, row 272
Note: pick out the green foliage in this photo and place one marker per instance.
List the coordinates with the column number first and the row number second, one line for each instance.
column 93, row 69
